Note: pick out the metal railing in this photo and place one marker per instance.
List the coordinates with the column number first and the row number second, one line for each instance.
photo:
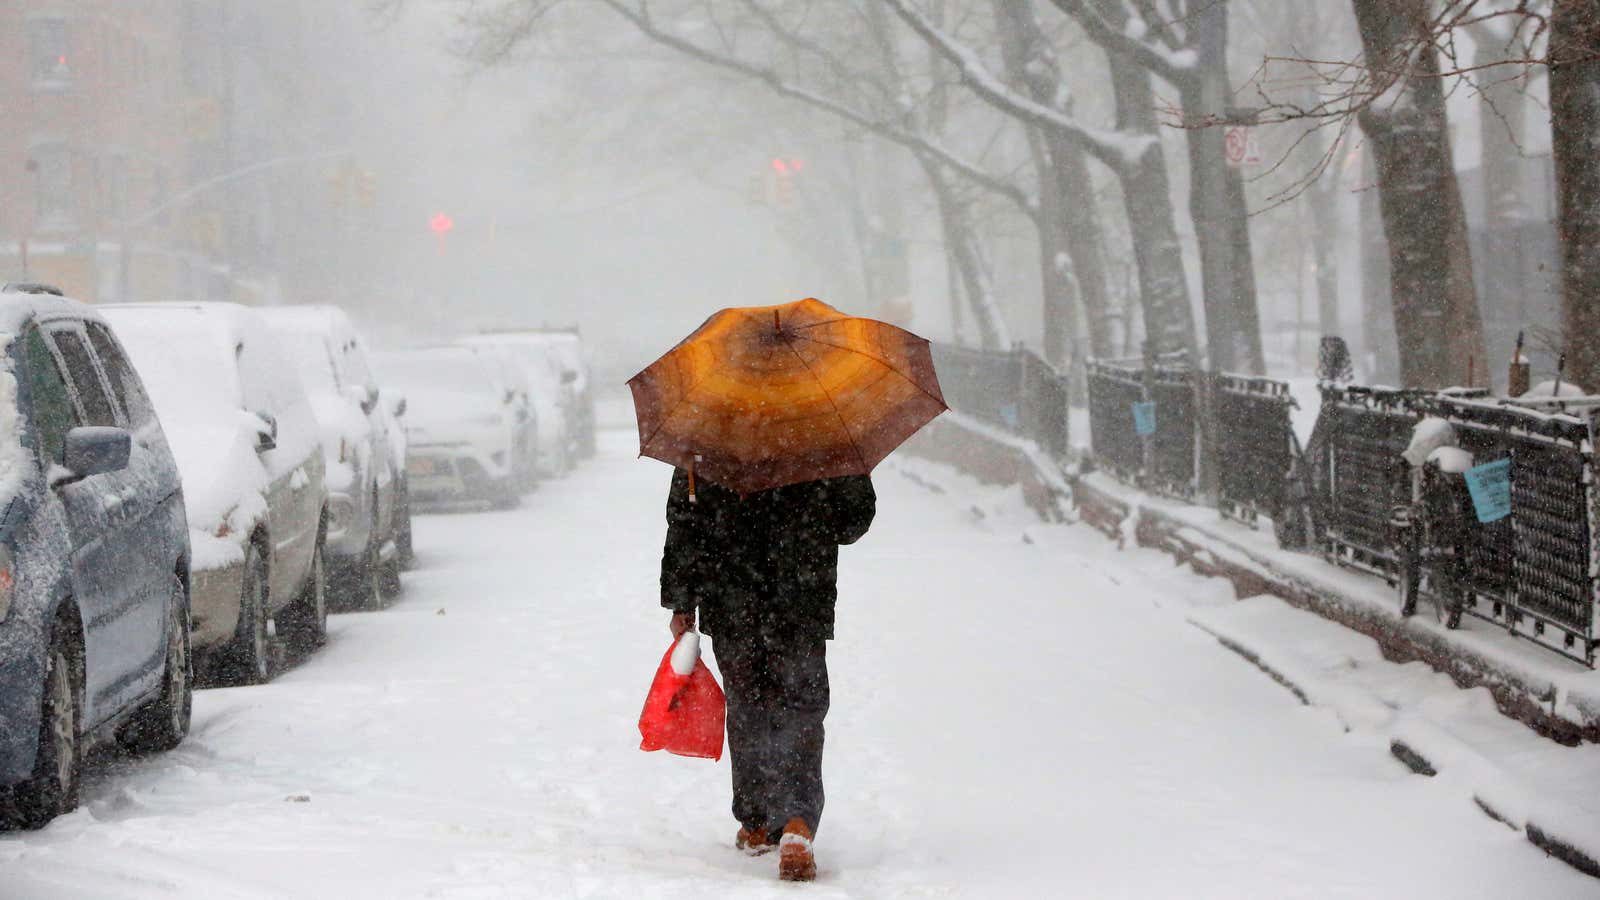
column 1162, row 460
column 1535, row 572
column 1014, row 390
column 1256, row 447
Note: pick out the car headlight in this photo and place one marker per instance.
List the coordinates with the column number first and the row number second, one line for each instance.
column 8, row 581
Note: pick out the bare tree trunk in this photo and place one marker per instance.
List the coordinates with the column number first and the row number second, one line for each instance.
column 1575, row 132
column 1060, row 289
column 964, row 252
column 1147, row 199
column 1435, row 305
column 1377, row 307
column 1069, row 226
column 1324, row 201
column 1216, row 204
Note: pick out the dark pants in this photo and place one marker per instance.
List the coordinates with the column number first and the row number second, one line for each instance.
column 777, row 688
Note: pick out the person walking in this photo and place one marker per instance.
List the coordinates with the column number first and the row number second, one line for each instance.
column 761, row 570
column 782, row 412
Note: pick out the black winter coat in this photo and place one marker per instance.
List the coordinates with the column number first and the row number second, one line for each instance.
column 762, row 563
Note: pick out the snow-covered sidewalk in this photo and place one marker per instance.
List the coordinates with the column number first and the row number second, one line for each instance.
column 1019, row 710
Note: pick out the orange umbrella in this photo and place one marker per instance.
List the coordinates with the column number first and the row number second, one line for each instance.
column 763, row 396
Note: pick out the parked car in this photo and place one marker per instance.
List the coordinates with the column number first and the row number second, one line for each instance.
column 552, row 395
column 368, row 513
column 522, row 406
column 250, row 453
column 461, row 424
column 566, row 346
column 94, row 557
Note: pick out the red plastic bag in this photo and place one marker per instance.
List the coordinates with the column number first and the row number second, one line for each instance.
column 685, row 711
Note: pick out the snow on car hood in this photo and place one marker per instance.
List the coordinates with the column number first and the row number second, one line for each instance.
column 432, row 411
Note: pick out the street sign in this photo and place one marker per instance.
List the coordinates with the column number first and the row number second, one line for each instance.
column 1241, row 146
column 1490, row 487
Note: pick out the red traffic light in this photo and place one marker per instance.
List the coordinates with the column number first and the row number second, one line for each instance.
column 441, row 223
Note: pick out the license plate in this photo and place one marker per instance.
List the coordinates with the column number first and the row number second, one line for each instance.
column 419, row 467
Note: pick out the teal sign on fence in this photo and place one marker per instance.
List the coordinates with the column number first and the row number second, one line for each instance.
column 1490, row 486
column 1144, row 418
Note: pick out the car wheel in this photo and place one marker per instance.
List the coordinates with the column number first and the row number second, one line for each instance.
column 389, row 572
column 368, row 593
column 52, row 789
column 304, row 623
column 163, row 724
column 402, row 533
column 501, row 494
column 247, row 659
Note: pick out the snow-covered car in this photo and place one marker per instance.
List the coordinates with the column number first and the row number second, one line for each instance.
column 367, row 508
column 553, row 395
column 94, row 557
column 248, row 447
column 462, row 423
column 527, row 452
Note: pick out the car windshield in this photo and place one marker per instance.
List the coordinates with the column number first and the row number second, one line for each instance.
column 308, row 352
column 457, row 373
column 193, row 385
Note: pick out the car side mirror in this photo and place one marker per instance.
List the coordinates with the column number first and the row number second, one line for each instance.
column 93, row 450
column 568, row 376
column 364, row 397
column 266, row 432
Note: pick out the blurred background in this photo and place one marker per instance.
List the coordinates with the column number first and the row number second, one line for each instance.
column 437, row 167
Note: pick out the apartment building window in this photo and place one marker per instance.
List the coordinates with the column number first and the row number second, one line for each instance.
column 53, row 176
column 50, row 53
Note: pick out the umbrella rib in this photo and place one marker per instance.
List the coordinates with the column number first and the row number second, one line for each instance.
column 882, row 362
column 672, row 412
column 845, row 427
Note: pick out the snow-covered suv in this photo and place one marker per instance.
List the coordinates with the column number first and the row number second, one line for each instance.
column 462, row 422
column 250, row 452
column 367, row 508
column 94, row 557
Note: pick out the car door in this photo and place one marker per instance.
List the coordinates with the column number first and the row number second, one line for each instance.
column 115, row 657
column 292, row 504
column 152, row 503
column 358, row 371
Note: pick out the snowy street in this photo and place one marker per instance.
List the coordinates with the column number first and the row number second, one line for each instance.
column 1018, row 711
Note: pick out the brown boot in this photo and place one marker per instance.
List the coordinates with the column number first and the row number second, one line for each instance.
column 754, row 841
column 796, row 862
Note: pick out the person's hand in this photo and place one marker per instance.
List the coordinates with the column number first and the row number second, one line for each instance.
column 681, row 622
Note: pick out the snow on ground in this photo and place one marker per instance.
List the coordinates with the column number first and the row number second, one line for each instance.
column 1019, row 710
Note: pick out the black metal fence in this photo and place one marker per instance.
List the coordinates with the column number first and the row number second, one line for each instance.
column 1256, row 446
column 1535, row 572
column 1355, row 471
column 1014, row 390
column 1163, row 459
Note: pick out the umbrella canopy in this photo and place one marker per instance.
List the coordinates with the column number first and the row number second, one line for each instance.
column 763, row 396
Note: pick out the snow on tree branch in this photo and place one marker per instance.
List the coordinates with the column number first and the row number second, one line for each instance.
column 913, row 140
column 1117, row 150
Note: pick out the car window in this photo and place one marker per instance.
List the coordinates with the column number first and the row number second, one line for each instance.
column 85, row 378
column 51, row 402
column 125, row 381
